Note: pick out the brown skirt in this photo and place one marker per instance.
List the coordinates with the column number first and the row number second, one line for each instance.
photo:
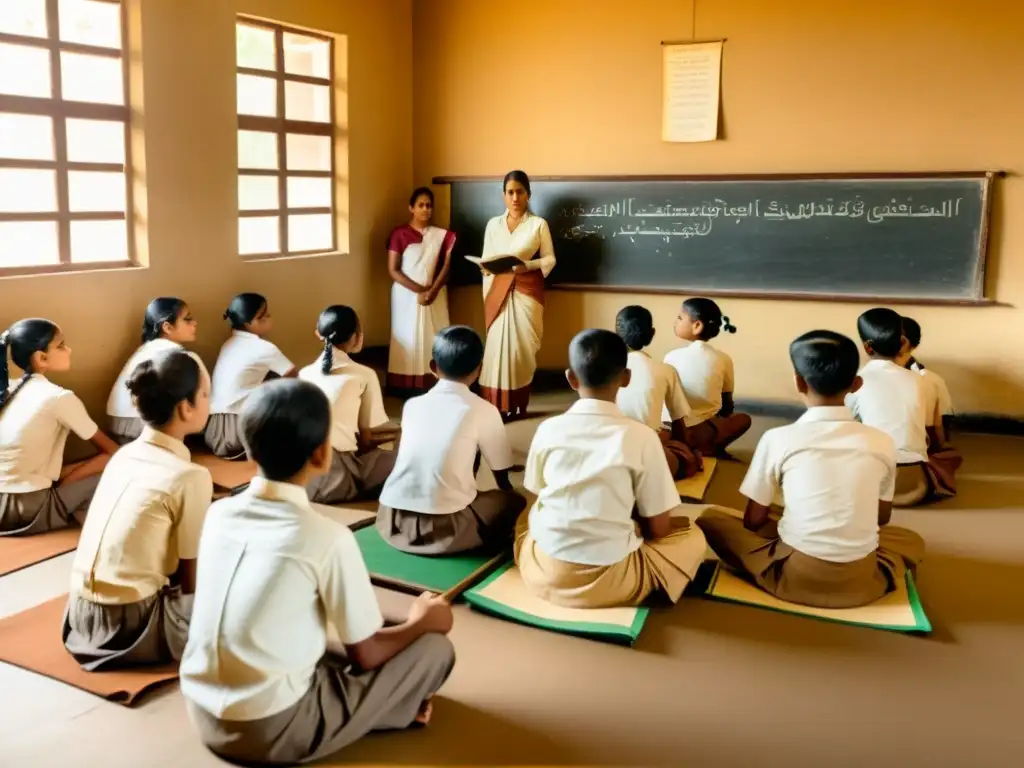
column 487, row 523
column 49, row 509
column 683, row 461
column 660, row 565
column 341, row 706
column 151, row 631
column 125, row 429
column 790, row 575
column 717, row 433
column 223, row 437
column 926, row 481
column 352, row 477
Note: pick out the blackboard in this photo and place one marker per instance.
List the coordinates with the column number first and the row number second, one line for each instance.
column 897, row 237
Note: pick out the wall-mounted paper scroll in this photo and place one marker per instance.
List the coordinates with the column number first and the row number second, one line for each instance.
column 692, row 81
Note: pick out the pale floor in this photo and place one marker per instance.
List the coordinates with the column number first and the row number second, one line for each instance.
column 708, row 684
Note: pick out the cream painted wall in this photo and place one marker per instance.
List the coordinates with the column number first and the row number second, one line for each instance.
column 187, row 116
column 573, row 87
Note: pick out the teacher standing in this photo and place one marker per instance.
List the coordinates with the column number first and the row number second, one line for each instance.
column 514, row 301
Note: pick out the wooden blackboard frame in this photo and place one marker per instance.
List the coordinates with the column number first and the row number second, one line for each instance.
column 988, row 177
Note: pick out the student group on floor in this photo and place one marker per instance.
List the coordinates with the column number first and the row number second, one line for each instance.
column 241, row 590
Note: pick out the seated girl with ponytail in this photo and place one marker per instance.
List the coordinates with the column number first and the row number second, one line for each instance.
column 358, row 467
column 245, row 361
column 707, row 377
column 38, row 492
column 168, row 325
column 134, row 573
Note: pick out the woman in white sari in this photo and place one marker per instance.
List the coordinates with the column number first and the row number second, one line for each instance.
column 514, row 301
column 419, row 258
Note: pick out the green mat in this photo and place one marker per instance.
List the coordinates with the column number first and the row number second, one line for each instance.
column 898, row 611
column 414, row 573
column 503, row 594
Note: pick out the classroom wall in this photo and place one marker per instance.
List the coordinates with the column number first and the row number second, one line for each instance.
column 562, row 87
column 185, row 110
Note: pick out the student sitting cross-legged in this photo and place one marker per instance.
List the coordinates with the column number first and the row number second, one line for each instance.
column 134, row 572
column 359, row 466
column 654, row 387
column 601, row 532
column 259, row 683
column 832, row 547
column 430, row 504
column 904, row 405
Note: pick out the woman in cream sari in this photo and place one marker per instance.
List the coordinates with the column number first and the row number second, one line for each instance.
column 514, row 301
column 419, row 257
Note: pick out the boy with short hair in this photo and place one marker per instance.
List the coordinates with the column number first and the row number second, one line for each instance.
column 832, row 547
column 654, row 388
column 593, row 469
column 430, row 504
column 903, row 405
column 258, row 681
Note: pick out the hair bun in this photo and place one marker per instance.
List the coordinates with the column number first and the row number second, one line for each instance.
column 727, row 326
column 144, row 379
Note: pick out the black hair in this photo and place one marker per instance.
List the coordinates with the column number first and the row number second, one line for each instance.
column 420, row 192
column 161, row 310
column 519, row 176
column 597, row 356
column 883, row 329
column 243, row 309
column 457, row 351
column 160, row 384
column 709, row 313
column 636, row 326
column 826, row 360
column 912, row 330
column 23, row 339
column 282, row 423
column 336, row 326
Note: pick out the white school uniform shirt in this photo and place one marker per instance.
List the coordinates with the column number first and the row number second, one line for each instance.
column 119, row 404
column 145, row 517
column 705, row 373
column 898, row 402
column 242, row 366
column 33, row 430
column 272, row 574
column 355, row 395
column 441, row 434
column 944, row 399
column 589, row 468
column 829, row 472
column 654, row 392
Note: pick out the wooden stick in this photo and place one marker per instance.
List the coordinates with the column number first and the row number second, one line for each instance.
column 453, row 592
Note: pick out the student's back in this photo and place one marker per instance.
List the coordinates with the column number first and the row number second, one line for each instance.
column 895, row 401
column 355, row 396
column 654, row 393
column 831, row 471
column 258, row 622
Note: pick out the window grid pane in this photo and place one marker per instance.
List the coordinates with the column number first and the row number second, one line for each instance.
column 275, row 148
column 90, row 209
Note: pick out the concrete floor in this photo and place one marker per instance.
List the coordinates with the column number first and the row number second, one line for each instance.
column 708, row 684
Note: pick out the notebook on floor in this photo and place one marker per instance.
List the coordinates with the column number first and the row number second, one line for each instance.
column 415, row 573
column 503, row 594
column 899, row 611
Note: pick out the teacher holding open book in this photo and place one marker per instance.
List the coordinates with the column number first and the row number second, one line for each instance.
column 518, row 254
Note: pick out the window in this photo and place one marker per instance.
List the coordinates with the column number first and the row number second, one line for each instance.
column 65, row 153
column 286, row 141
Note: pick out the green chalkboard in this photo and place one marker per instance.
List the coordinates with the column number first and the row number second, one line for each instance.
column 910, row 237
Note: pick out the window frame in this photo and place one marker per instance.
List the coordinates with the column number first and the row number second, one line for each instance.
column 59, row 110
column 281, row 127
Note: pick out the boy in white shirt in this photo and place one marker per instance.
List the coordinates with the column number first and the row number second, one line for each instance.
column 832, row 547
column 912, row 332
column 430, row 504
column 359, row 467
column 259, row 683
column 601, row 532
column 905, row 406
column 653, row 388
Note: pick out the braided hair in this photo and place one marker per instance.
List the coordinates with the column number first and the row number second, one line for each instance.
column 710, row 314
column 23, row 339
column 336, row 326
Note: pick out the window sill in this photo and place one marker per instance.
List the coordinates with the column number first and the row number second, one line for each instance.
column 260, row 258
column 58, row 270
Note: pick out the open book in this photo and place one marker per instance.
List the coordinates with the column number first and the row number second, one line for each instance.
column 496, row 264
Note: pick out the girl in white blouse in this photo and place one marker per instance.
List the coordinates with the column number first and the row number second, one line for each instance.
column 514, row 301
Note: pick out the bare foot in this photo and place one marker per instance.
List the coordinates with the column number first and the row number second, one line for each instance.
column 425, row 713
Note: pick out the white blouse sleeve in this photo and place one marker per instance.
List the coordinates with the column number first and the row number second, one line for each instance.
column 546, row 262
